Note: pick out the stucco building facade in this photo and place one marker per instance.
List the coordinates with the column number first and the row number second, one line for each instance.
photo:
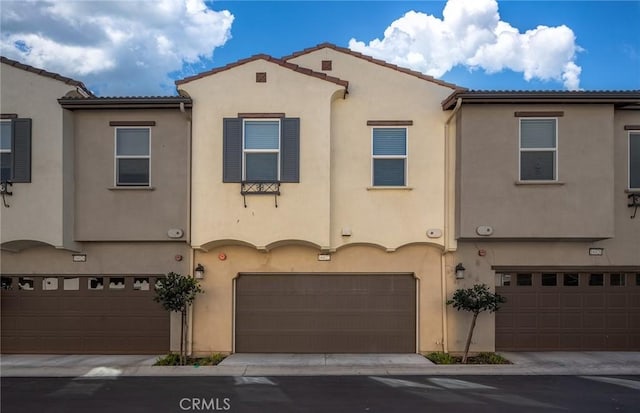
column 329, row 198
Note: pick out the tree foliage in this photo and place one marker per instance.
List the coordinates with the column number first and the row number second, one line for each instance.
column 475, row 300
column 176, row 292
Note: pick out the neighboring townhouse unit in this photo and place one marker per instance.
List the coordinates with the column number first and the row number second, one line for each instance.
column 320, row 206
column 548, row 184
column 97, row 211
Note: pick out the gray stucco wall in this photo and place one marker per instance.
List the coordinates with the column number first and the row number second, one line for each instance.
column 104, row 212
column 580, row 205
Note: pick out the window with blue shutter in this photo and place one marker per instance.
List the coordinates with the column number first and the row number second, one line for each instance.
column 15, row 150
column 389, row 156
column 261, row 150
column 634, row 161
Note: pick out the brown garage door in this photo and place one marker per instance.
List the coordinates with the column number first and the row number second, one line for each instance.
column 325, row 313
column 82, row 315
column 569, row 311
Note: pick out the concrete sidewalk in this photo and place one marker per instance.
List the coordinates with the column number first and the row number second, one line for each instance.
column 524, row 363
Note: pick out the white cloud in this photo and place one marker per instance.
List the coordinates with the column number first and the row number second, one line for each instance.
column 117, row 47
column 472, row 34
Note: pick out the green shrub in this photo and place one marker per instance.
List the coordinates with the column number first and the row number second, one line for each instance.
column 480, row 358
column 488, row 358
column 211, row 360
column 441, row 358
column 174, row 360
column 168, row 360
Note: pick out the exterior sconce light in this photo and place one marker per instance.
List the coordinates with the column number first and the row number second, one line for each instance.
column 199, row 272
column 460, row 271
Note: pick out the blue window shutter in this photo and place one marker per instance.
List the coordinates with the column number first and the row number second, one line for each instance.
column 21, row 146
column 290, row 150
column 232, row 150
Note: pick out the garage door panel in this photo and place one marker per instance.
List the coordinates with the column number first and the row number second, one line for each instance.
column 587, row 317
column 547, row 341
column 593, row 320
column 618, row 321
column 594, row 300
column 549, row 301
column 311, row 313
column 548, row 320
column 617, row 301
column 570, row 300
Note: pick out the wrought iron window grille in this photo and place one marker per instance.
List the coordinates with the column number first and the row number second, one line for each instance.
column 634, row 202
column 260, row 188
column 4, row 191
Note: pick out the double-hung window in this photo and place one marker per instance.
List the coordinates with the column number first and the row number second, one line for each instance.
column 538, row 149
column 5, row 150
column 261, row 150
column 634, row 161
column 389, row 156
column 133, row 153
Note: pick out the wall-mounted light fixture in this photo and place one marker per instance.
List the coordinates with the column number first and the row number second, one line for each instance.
column 199, row 272
column 460, row 271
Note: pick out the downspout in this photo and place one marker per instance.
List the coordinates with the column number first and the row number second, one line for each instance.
column 447, row 216
column 192, row 253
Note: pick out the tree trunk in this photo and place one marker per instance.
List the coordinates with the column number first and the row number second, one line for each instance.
column 468, row 344
column 182, row 358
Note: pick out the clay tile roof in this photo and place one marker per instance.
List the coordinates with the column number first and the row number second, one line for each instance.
column 271, row 59
column 375, row 61
column 45, row 73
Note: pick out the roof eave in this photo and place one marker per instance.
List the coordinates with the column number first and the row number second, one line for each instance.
column 538, row 97
column 125, row 103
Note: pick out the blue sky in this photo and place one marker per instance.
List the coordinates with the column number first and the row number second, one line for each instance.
column 479, row 44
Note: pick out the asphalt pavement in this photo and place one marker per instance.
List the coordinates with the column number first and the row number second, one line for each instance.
column 523, row 363
column 322, row 394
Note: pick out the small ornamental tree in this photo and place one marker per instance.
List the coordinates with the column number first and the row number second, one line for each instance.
column 475, row 300
column 176, row 292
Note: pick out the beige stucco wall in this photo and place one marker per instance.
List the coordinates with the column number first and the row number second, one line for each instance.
column 580, row 206
column 303, row 208
column 104, row 212
column 386, row 217
column 39, row 210
column 388, row 226
column 213, row 310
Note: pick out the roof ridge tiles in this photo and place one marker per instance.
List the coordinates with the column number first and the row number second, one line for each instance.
column 46, row 73
column 373, row 60
column 275, row 60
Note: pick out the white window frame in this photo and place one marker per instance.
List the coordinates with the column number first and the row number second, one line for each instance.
column 116, row 157
column 9, row 151
column 521, row 149
column 631, row 132
column 405, row 157
column 245, row 151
